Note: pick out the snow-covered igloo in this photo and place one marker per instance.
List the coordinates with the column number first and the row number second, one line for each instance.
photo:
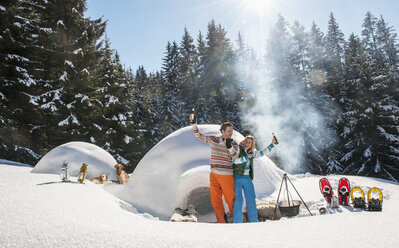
column 175, row 173
column 98, row 160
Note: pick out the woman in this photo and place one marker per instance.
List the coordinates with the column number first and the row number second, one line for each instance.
column 243, row 176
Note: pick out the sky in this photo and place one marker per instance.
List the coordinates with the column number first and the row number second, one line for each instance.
column 139, row 30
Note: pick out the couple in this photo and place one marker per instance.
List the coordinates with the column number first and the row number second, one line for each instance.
column 231, row 171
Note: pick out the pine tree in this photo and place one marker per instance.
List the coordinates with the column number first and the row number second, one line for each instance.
column 386, row 39
column 112, row 124
column 18, row 117
column 300, row 55
column 186, row 78
column 74, row 61
column 170, row 89
column 335, row 43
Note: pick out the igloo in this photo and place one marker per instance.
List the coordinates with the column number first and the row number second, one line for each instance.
column 98, row 160
column 175, row 173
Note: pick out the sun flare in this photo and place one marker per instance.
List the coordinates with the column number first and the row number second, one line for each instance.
column 257, row 5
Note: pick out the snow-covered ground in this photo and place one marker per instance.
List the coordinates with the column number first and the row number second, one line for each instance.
column 38, row 210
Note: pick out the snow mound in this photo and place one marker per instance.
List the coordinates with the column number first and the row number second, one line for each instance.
column 175, row 173
column 75, row 153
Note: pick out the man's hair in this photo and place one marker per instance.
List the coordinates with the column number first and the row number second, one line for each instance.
column 225, row 125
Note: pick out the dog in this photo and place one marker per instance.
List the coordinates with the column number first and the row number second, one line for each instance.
column 185, row 215
column 100, row 180
column 121, row 175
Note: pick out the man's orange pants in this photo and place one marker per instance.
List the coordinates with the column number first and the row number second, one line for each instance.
column 221, row 185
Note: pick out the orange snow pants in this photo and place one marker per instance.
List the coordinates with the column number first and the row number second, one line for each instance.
column 221, row 185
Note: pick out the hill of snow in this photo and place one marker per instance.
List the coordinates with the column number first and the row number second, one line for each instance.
column 76, row 153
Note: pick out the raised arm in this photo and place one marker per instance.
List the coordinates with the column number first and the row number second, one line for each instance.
column 193, row 121
column 263, row 152
column 205, row 138
column 256, row 154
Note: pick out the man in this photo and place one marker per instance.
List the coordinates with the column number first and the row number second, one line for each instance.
column 221, row 176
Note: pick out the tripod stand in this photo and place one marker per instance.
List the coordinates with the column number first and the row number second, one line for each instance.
column 285, row 179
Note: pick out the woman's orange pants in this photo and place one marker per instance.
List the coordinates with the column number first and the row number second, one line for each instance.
column 221, row 185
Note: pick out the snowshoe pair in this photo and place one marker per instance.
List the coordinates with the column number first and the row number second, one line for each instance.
column 374, row 204
column 328, row 193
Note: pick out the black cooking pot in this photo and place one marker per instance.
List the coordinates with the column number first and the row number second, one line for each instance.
column 289, row 209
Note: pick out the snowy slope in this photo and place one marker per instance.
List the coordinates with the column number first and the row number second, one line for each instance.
column 39, row 211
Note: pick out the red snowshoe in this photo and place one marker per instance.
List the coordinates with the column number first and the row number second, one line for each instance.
column 326, row 189
column 343, row 191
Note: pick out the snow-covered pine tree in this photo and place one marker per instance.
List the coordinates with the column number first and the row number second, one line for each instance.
column 299, row 58
column 74, row 61
column 186, row 78
column 369, row 37
column 369, row 129
column 315, row 140
column 219, row 76
column 328, row 154
column 248, row 67
column 387, row 42
column 146, row 107
column 352, row 128
column 335, row 42
column 18, row 118
column 113, row 125
column 170, row 89
column 200, row 64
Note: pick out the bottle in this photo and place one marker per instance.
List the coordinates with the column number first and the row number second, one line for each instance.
column 192, row 114
column 274, row 138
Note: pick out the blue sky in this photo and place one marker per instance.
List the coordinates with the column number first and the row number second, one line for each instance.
column 139, row 30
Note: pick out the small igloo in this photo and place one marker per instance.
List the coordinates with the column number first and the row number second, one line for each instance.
column 98, row 160
column 175, row 173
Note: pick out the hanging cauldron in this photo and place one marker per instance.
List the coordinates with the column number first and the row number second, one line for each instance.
column 289, row 208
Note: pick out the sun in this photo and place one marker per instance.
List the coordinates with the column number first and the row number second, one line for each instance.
column 257, row 5
column 259, row 9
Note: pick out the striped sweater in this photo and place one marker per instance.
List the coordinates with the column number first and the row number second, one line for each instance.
column 221, row 157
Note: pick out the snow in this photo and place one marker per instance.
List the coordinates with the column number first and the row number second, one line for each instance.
column 111, row 100
column 48, row 213
column 97, row 126
column 19, row 58
column 38, row 210
column 179, row 164
column 367, row 152
column 32, row 153
column 390, row 137
column 85, row 71
column 61, row 23
column 79, row 50
column 128, row 139
column 3, row 97
column 2, row 8
column 64, row 76
column 69, row 63
column 68, row 119
column 46, row 30
column 75, row 153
